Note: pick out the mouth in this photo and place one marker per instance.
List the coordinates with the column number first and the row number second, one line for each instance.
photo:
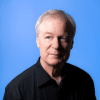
column 56, row 55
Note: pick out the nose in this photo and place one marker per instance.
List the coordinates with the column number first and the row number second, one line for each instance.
column 55, row 43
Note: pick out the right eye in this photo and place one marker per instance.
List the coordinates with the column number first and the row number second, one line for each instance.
column 48, row 37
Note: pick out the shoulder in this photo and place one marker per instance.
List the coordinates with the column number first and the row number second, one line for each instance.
column 80, row 78
column 81, row 81
column 24, row 83
column 22, row 78
column 78, row 73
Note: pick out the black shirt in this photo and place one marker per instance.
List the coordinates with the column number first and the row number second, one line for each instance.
column 35, row 84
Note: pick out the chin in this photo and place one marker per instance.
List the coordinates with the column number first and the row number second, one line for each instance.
column 53, row 61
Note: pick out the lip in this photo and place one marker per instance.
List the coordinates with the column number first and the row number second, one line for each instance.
column 54, row 54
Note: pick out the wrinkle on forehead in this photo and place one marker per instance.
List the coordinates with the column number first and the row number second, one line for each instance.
column 53, row 26
column 66, row 26
column 47, row 20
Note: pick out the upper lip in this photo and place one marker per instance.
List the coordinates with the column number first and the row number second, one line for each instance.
column 54, row 54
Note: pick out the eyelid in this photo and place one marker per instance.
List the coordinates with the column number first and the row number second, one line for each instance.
column 63, row 37
column 48, row 37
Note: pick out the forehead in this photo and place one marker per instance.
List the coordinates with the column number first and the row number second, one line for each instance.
column 53, row 24
column 56, row 17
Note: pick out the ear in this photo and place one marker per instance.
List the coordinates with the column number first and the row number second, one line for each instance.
column 37, row 41
column 72, row 44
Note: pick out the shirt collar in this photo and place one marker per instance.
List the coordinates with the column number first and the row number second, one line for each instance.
column 43, row 77
column 41, row 74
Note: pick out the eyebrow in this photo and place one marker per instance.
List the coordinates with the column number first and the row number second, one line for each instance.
column 65, row 35
column 60, row 35
column 48, row 33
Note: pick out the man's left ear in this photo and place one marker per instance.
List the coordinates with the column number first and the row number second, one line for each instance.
column 72, row 44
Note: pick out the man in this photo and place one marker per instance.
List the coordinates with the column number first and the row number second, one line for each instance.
column 51, row 78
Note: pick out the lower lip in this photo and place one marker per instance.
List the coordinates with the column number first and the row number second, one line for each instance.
column 55, row 55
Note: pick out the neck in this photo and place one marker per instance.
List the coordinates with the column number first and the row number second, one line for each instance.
column 46, row 67
column 53, row 71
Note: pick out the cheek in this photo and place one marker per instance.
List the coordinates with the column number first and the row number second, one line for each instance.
column 68, row 46
column 44, row 47
column 66, row 49
column 65, row 46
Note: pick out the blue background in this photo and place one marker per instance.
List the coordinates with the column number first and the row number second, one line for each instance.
column 18, row 49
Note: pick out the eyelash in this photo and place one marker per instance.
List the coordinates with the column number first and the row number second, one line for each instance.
column 48, row 37
column 61, row 38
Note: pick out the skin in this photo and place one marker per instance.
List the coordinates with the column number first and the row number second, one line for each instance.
column 55, row 45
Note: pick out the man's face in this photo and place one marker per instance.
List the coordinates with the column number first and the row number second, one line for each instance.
column 54, row 42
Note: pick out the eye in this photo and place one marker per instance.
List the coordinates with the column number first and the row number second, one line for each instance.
column 62, row 38
column 48, row 37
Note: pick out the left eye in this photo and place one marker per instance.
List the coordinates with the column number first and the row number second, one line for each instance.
column 62, row 38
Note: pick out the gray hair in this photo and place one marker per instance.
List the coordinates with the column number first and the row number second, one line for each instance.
column 71, row 27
